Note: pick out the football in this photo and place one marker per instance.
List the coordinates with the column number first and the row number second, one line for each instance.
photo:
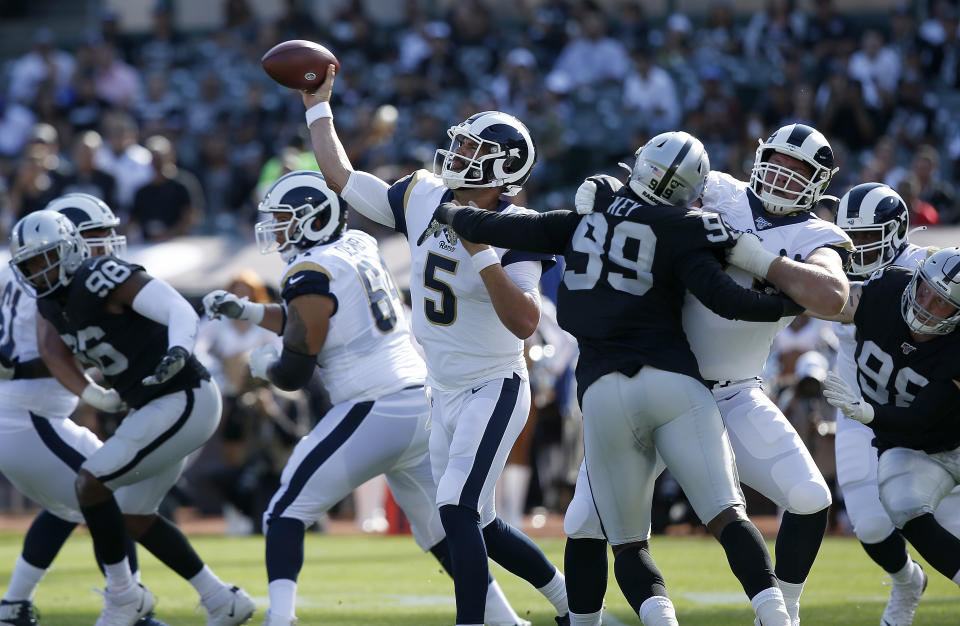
column 298, row 64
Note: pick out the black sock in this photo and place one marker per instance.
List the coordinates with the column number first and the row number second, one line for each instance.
column 890, row 554
column 132, row 559
column 934, row 543
column 585, row 567
column 44, row 538
column 798, row 543
column 468, row 561
column 517, row 554
column 638, row 576
column 284, row 548
column 165, row 541
column 748, row 557
column 441, row 551
column 106, row 527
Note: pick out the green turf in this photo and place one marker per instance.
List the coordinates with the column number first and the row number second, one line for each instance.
column 386, row 580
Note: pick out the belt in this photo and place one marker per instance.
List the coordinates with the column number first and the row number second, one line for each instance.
column 420, row 386
column 720, row 384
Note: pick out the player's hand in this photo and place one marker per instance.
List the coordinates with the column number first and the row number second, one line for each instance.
column 7, row 367
column 595, row 190
column 748, row 253
column 261, row 359
column 168, row 367
column 839, row 394
column 322, row 94
column 103, row 399
column 223, row 303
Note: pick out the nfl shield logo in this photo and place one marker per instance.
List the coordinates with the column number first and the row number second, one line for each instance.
column 907, row 348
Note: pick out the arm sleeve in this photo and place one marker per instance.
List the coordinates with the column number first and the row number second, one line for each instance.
column 292, row 370
column 534, row 232
column 703, row 275
column 934, row 403
column 161, row 303
column 367, row 195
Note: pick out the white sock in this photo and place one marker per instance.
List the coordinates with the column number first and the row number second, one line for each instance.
column 283, row 598
column 956, row 578
column 498, row 609
column 658, row 611
column 791, row 598
column 769, row 608
column 586, row 619
column 556, row 592
column 905, row 574
column 207, row 585
column 118, row 576
column 23, row 581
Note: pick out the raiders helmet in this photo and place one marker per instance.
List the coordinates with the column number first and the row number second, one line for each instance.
column 503, row 157
column 53, row 237
column 89, row 212
column 941, row 273
column 878, row 210
column 800, row 142
column 303, row 211
column 670, row 169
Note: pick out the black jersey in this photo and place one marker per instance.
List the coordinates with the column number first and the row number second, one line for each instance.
column 628, row 267
column 900, row 376
column 126, row 346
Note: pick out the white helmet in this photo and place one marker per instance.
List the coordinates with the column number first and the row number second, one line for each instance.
column 670, row 169
column 941, row 273
column 877, row 209
column 89, row 212
column 800, row 142
column 507, row 163
column 316, row 214
column 53, row 236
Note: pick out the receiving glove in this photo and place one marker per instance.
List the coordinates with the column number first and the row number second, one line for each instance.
column 223, row 303
column 748, row 254
column 169, row 366
column 597, row 189
column 261, row 359
column 102, row 399
column 839, row 394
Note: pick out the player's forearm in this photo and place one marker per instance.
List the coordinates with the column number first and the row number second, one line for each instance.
column 810, row 286
column 274, row 318
column 543, row 232
column 704, row 278
column 935, row 403
column 517, row 310
column 331, row 156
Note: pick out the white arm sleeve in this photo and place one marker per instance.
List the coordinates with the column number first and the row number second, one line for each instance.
column 161, row 303
column 367, row 195
column 526, row 275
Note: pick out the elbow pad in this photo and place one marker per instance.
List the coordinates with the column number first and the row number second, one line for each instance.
column 293, row 370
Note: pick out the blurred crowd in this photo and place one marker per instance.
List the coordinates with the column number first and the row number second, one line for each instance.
column 181, row 132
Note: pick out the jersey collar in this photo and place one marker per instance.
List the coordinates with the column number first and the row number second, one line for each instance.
column 763, row 220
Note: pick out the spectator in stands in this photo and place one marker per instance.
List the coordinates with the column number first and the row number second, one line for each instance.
column 933, row 189
column 43, row 63
column 163, row 208
column 825, row 31
column 593, row 56
column 650, row 96
column 124, row 158
column 86, row 177
column 116, row 82
column 774, row 32
column 922, row 213
column 160, row 109
column 841, row 112
column 877, row 67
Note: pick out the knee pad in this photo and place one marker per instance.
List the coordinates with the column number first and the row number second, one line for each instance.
column 581, row 521
column 903, row 507
column 808, row 497
column 873, row 528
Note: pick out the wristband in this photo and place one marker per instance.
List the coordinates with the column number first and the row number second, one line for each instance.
column 484, row 259
column 317, row 111
column 254, row 312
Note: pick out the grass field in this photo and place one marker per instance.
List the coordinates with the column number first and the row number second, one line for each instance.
column 353, row 580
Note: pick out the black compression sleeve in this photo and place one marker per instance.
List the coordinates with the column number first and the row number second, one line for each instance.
column 703, row 275
column 934, row 403
column 292, row 370
column 535, row 232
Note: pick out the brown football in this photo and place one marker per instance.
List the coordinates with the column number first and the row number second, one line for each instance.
column 298, row 64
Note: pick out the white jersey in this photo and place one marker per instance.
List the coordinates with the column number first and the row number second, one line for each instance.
column 18, row 340
column 453, row 316
column 732, row 349
column 910, row 258
column 367, row 352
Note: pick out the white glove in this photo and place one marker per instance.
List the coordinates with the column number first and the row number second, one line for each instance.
column 103, row 399
column 261, row 359
column 839, row 394
column 583, row 200
column 597, row 187
column 748, row 254
column 219, row 303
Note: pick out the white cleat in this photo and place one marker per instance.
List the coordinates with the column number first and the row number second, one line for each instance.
column 904, row 599
column 125, row 608
column 236, row 608
column 270, row 620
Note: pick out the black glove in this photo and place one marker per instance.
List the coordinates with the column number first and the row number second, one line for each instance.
column 169, row 366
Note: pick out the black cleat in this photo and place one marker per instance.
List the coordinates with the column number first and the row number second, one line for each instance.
column 18, row 613
column 563, row 620
column 149, row 620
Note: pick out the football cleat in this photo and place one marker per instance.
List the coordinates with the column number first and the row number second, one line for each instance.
column 904, row 599
column 237, row 608
column 126, row 608
column 150, row 619
column 270, row 620
column 18, row 613
column 563, row 620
